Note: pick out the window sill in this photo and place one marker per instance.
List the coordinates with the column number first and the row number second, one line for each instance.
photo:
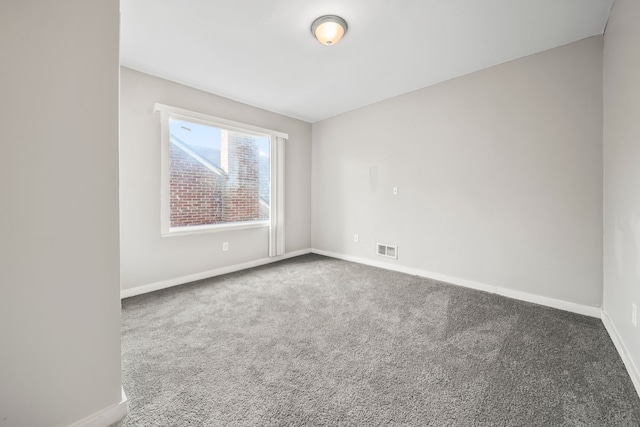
column 214, row 228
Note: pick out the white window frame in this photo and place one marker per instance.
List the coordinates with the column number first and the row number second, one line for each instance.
column 276, row 221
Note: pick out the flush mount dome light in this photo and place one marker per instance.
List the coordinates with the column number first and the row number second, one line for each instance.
column 329, row 29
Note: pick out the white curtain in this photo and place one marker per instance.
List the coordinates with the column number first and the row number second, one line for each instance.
column 276, row 227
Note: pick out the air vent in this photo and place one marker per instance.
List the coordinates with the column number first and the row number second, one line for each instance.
column 388, row 251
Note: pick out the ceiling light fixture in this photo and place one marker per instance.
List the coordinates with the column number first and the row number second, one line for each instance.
column 329, row 29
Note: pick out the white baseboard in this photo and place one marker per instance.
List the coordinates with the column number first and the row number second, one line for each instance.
column 632, row 369
column 510, row 293
column 109, row 415
column 139, row 290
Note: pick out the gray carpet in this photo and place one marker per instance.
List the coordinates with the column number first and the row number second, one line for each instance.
column 317, row 341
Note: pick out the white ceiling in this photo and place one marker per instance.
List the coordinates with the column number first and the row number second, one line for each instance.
column 261, row 52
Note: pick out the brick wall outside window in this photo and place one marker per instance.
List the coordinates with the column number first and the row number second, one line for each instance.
column 196, row 191
column 202, row 196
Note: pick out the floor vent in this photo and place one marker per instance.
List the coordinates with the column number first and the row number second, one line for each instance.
column 388, row 251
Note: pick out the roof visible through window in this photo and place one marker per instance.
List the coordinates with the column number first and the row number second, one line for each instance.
column 202, row 139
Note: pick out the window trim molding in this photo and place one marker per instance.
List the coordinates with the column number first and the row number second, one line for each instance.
column 211, row 228
column 277, row 170
column 207, row 119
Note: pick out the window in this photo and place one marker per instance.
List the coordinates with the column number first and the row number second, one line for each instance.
column 220, row 175
column 217, row 176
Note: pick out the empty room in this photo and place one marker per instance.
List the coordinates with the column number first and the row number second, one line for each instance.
column 261, row 213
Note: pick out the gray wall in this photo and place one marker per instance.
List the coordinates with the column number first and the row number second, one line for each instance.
column 146, row 257
column 60, row 306
column 622, row 173
column 499, row 175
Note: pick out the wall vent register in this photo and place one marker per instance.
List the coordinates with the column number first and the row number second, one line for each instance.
column 387, row 251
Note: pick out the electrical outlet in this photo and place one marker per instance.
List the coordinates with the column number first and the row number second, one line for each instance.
column 356, row 239
column 395, row 191
column 225, row 246
column 634, row 315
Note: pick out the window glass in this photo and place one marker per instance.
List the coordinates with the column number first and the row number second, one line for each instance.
column 217, row 176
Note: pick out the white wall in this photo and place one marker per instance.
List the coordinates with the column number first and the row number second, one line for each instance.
column 622, row 175
column 499, row 175
column 146, row 257
column 59, row 304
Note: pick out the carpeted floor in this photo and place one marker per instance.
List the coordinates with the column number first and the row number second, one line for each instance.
column 318, row 341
